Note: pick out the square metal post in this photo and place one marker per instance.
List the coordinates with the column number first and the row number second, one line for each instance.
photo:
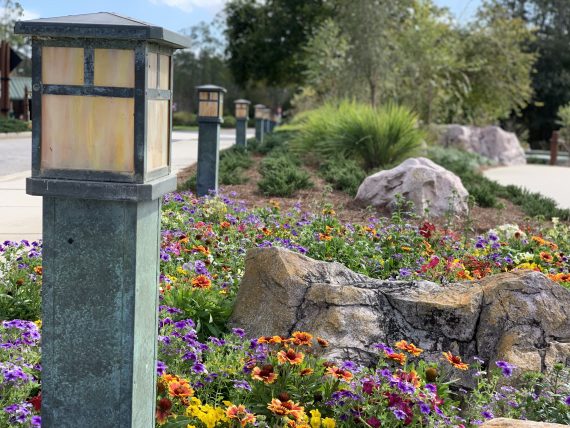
column 102, row 90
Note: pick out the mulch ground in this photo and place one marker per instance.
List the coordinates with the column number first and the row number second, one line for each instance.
column 480, row 219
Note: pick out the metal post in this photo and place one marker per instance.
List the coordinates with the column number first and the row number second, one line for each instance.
column 241, row 129
column 554, row 147
column 208, row 157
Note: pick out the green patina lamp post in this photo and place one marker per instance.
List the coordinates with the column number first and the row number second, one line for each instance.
column 102, row 93
column 242, row 116
column 259, row 124
column 210, row 117
column 267, row 120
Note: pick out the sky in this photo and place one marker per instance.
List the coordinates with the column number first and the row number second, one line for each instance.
column 174, row 14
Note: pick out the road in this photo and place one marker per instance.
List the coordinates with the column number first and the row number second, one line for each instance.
column 21, row 214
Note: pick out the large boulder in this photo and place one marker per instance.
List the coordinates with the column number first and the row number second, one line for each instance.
column 420, row 181
column 514, row 423
column 520, row 317
column 492, row 142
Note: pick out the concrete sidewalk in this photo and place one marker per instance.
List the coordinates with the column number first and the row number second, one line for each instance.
column 21, row 214
column 551, row 181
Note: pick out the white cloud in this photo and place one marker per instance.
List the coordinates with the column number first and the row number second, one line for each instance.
column 188, row 5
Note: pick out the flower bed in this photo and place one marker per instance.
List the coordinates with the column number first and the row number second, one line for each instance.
column 212, row 377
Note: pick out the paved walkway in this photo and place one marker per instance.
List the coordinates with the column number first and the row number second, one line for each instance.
column 21, row 214
column 551, row 181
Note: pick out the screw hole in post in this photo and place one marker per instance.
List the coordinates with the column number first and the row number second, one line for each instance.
column 70, row 240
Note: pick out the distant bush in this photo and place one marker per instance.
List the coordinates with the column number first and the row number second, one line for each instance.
column 229, row 122
column 13, row 125
column 456, row 160
column 184, row 118
column 233, row 163
column 345, row 175
column 282, row 175
column 273, row 141
column 373, row 137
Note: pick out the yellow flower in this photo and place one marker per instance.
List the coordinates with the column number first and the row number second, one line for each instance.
column 182, row 271
column 315, row 418
column 38, row 323
column 328, row 423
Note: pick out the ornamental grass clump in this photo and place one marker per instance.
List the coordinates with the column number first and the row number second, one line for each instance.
column 374, row 137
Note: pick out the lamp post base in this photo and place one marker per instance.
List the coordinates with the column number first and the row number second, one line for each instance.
column 100, row 297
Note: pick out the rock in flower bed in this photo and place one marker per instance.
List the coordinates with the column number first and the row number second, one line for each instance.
column 203, row 252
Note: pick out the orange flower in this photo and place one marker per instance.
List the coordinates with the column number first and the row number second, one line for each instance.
column 302, row 338
column 180, row 389
column 201, row 281
column 241, row 414
column 410, row 377
column 455, row 361
column 409, row 347
column 546, row 257
column 396, row 356
column 266, row 231
column 276, row 340
column 201, row 249
column 163, row 408
column 38, row 270
column 286, row 408
column 323, row 342
column 339, row 373
column 306, row 372
column 290, row 356
column 264, row 374
column 324, row 237
column 560, row 277
column 225, row 224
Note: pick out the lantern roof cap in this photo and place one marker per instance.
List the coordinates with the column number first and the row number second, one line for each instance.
column 101, row 25
column 211, row 88
column 259, row 106
column 242, row 101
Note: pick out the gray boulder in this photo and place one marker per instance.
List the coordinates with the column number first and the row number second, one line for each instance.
column 492, row 142
column 520, row 317
column 420, row 181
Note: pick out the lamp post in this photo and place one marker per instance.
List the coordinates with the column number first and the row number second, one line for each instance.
column 259, row 124
column 210, row 117
column 102, row 93
column 242, row 116
column 267, row 120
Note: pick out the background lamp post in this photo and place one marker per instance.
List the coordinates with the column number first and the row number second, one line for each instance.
column 266, row 120
column 102, row 93
column 242, row 116
column 210, row 117
column 259, row 125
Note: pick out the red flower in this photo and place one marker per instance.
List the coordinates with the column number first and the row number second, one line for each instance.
column 432, row 263
column 427, row 229
column 36, row 402
column 163, row 408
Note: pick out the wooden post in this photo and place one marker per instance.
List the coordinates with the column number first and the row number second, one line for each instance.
column 26, row 104
column 554, row 147
column 5, row 78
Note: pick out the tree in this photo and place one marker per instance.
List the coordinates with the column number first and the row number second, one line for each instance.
column 265, row 40
column 11, row 12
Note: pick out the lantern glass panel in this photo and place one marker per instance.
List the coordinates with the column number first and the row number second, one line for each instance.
column 258, row 114
column 221, row 104
column 214, row 96
column 114, row 67
column 241, row 111
column 87, row 133
column 62, row 66
column 204, row 96
column 158, row 131
column 164, row 79
column 152, row 70
column 208, row 109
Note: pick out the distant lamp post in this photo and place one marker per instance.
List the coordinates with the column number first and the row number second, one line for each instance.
column 102, row 90
column 210, row 117
column 242, row 116
column 259, row 123
column 267, row 120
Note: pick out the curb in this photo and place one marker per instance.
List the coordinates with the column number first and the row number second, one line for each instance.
column 6, row 135
column 23, row 174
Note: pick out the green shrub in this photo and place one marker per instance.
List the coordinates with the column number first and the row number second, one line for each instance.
column 273, row 141
column 344, row 175
column 233, row 163
column 456, row 160
column 13, row 125
column 229, row 122
column 373, row 137
column 184, row 118
column 282, row 175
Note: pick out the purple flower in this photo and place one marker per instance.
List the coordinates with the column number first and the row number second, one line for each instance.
column 384, row 347
column 399, row 414
column 404, row 272
column 506, row 368
column 425, row 408
column 36, row 421
column 200, row 268
column 567, row 401
column 431, row 388
column 487, row 414
column 242, row 384
column 349, row 365
column 160, row 368
column 239, row 332
column 199, row 368
column 217, row 342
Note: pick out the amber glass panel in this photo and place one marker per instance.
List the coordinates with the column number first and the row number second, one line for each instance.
column 62, row 66
column 158, row 130
column 208, row 109
column 241, row 111
column 88, row 133
column 164, row 78
column 259, row 113
column 152, row 70
column 214, row 96
column 204, row 95
column 114, row 67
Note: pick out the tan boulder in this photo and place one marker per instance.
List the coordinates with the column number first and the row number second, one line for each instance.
column 515, row 423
